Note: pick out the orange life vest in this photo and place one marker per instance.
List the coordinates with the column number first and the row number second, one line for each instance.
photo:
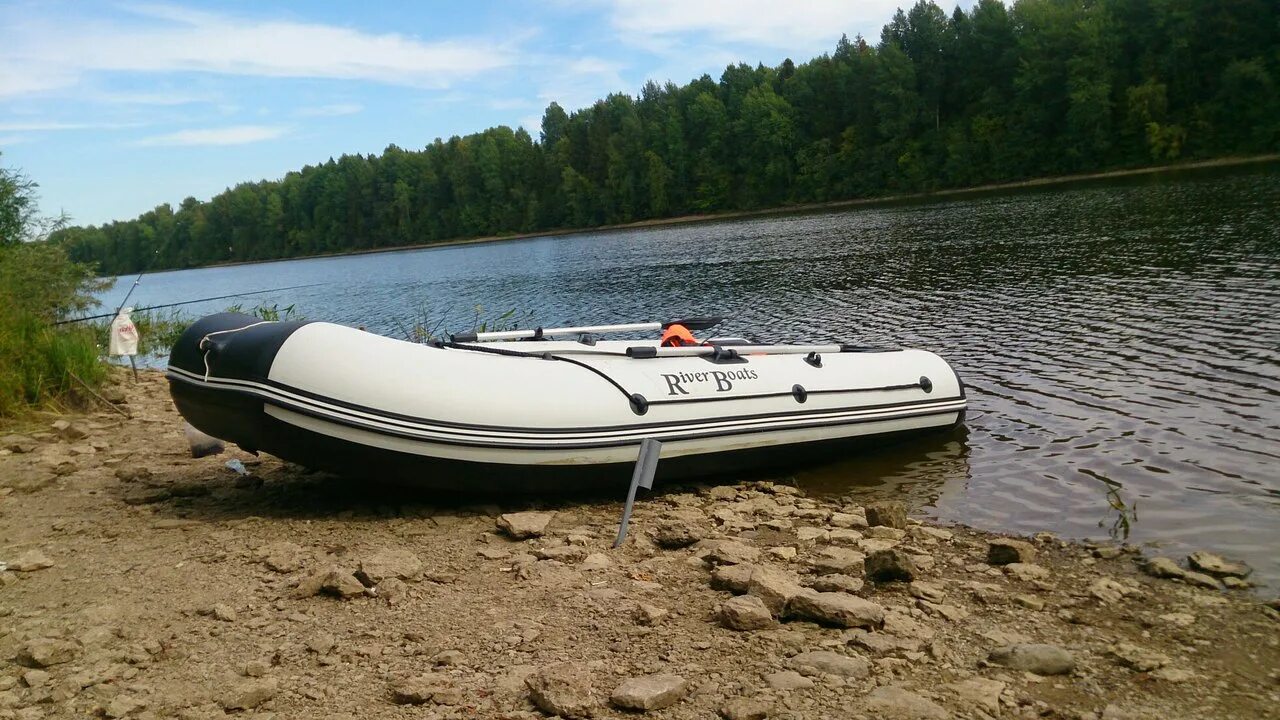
column 677, row 336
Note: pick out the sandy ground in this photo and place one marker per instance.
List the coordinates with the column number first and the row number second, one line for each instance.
column 143, row 583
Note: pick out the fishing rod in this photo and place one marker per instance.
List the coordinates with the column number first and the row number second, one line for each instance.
column 136, row 282
column 185, row 302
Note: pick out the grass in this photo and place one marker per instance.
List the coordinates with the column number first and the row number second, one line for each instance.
column 36, row 362
column 37, row 285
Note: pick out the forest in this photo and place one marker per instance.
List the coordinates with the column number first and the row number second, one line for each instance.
column 994, row 94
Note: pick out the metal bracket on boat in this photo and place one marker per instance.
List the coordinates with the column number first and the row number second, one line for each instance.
column 642, row 477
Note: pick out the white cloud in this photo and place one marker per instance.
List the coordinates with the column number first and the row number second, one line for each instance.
column 47, row 125
column 9, row 140
column 795, row 28
column 233, row 135
column 44, row 53
column 333, row 110
column 148, row 98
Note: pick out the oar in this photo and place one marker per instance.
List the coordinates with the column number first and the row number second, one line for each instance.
column 729, row 351
column 696, row 323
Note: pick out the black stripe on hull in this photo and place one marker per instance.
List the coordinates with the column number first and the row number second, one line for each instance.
column 239, row 418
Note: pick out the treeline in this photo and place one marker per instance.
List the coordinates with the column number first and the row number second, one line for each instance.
column 990, row 95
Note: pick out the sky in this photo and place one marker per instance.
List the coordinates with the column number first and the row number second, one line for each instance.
column 114, row 108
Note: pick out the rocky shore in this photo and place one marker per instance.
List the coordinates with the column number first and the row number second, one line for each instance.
column 142, row 583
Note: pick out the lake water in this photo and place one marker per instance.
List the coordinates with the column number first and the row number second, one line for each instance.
column 1120, row 341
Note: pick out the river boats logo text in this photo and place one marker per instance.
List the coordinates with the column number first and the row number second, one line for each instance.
column 723, row 380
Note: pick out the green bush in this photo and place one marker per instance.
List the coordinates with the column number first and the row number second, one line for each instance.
column 38, row 284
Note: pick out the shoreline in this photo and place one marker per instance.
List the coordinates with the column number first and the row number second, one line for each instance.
column 1034, row 183
column 140, row 582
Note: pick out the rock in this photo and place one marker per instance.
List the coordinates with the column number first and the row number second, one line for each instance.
column 388, row 563
column 1163, row 567
column 741, row 708
column 848, row 520
column 563, row 689
column 673, row 535
column 1235, row 583
column 523, row 525
column 722, row 492
column 330, row 581
column 567, row 554
column 69, row 431
column 926, row 533
column 1026, row 572
column 393, row 590
column 651, row 692
column 787, row 680
column 30, row 561
column 782, row 552
column 322, row 644
column 1136, row 658
column 811, row 534
column 870, row 545
column 1030, row 602
column 890, row 566
column 882, row 643
column 114, row 395
column 223, row 613
column 1200, row 579
column 1179, row 619
column 879, row 532
column 1107, row 552
column 282, row 557
column 840, row 609
column 1214, row 565
column 732, row 552
column 132, row 473
column 1035, row 658
column 745, row 612
column 422, row 689
column 837, row 561
column 825, row 661
column 835, row 583
column 46, row 652
column 981, row 692
column 1108, row 590
column 845, row 536
column 734, row 578
column 250, row 694
column 123, row 706
column 646, row 614
column 447, row 657
column 774, row 587
column 31, row 481
column 18, row 444
column 887, row 514
column 890, row 702
column 595, row 562
column 931, row 592
column 35, row 678
column 255, row 668
column 1005, row 551
column 953, row 613
column 1173, row 675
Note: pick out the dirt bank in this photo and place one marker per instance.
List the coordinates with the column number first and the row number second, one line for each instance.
column 143, row 583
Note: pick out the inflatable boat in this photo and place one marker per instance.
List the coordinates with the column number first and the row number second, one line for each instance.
column 524, row 409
